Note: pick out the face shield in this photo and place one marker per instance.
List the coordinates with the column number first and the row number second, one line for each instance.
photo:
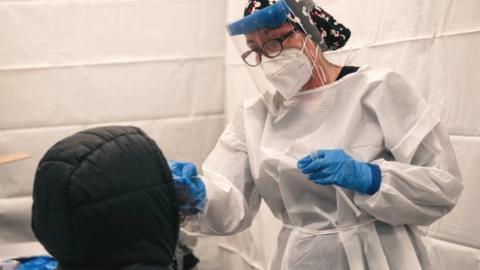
column 281, row 47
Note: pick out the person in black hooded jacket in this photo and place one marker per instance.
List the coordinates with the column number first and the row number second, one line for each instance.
column 104, row 198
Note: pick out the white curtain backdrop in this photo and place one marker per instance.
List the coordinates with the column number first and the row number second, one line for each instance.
column 66, row 65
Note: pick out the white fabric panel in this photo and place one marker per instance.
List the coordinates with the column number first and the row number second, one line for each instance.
column 462, row 225
column 174, row 137
column 66, row 55
column 110, row 93
column 462, row 98
column 9, row 251
column 238, row 87
column 234, row 11
column 447, row 255
column 377, row 22
column 67, row 65
column 15, row 220
column 50, row 33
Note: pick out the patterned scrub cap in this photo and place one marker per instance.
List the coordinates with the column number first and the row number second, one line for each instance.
column 335, row 35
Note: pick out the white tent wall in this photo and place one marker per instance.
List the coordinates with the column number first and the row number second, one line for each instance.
column 66, row 65
column 435, row 45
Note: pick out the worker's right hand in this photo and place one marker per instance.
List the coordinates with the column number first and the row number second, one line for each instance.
column 335, row 167
column 188, row 184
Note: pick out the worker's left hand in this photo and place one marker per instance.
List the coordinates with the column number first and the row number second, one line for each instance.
column 335, row 167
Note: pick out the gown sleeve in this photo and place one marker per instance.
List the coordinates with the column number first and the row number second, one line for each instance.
column 232, row 199
column 422, row 181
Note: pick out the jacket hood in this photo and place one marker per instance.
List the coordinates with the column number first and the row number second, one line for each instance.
column 104, row 198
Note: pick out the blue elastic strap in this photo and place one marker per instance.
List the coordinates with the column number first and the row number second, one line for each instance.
column 269, row 17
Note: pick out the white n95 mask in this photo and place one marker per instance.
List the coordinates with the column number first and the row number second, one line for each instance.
column 288, row 72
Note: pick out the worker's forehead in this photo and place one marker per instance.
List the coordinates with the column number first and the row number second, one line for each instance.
column 255, row 39
column 258, row 34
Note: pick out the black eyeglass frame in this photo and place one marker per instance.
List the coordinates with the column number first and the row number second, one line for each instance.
column 260, row 51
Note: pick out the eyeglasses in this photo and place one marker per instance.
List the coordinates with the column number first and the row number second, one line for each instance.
column 270, row 49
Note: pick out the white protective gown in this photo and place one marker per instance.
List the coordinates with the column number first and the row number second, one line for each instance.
column 375, row 116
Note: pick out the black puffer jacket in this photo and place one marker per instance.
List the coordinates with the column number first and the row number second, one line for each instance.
column 104, row 199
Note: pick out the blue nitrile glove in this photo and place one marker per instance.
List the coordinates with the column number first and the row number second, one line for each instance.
column 37, row 263
column 335, row 167
column 185, row 176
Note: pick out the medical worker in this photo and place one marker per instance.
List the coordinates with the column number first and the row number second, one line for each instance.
column 350, row 160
